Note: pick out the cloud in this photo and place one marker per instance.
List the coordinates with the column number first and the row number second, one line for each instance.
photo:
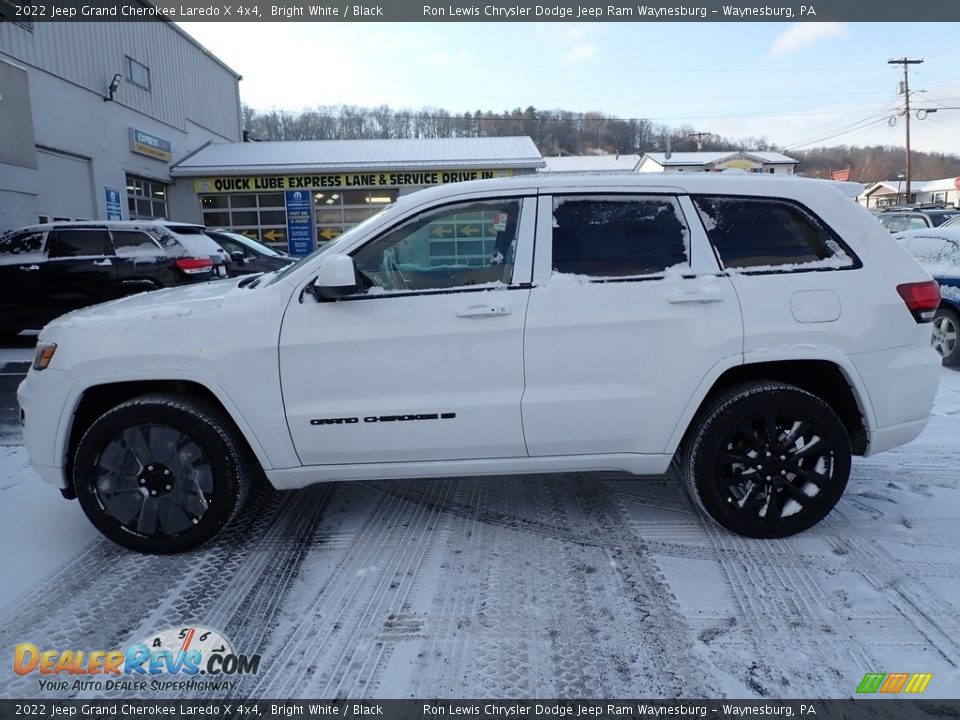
column 580, row 53
column 803, row 35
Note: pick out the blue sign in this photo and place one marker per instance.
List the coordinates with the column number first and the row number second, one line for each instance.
column 150, row 145
column 300, row 222
column 114, row 207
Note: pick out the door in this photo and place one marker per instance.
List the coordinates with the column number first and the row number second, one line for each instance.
column 21, row 305
column 80, row 268
column 627, row 317
column 426, row 364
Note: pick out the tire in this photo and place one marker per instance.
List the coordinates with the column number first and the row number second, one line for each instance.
column 803, row 471
column 161, row 473
column 946, row 335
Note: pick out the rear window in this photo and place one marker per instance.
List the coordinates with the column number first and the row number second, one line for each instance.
column 130, row 243
column 769, row 234
column 617, row 235
column 187, row 240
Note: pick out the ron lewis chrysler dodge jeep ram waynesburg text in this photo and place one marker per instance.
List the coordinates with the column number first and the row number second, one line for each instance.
column 759, row 331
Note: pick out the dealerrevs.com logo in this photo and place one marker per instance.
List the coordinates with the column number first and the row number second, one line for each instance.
column 178, row 659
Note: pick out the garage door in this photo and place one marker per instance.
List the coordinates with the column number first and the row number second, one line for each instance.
column 66, row 186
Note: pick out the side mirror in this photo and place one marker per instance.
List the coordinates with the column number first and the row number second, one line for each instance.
column 238, row 257
column 337, row 277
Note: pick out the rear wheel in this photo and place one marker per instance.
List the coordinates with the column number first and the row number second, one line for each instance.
column 161, row 473
column 767, row 460
column 946, row 326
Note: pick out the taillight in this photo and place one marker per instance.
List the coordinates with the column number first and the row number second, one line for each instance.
column 192, row 266
column 922, row 299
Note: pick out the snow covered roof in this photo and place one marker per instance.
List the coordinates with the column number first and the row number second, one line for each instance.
column 329, row 155
column 707, row 158
column 591, row 163
column 916, row 186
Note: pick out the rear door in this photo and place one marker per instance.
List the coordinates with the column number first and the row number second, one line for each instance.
column 628, row 315
column 80, row 269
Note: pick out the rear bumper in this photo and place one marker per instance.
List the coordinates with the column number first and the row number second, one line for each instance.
column 901, row 384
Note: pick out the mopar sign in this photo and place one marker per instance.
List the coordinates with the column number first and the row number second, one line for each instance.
column 299, row 222
column 150, row 145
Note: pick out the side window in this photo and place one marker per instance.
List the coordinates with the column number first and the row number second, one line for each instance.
column 617, row 235
column 454, row 246
column 80, row 242
column 761, row 233
column 917, row 223
column 231, row 246
column 132, row 243
column 897, row 223
column 21, row 247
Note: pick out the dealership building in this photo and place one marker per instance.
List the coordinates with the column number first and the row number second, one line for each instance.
column 136, row 120
column 92, row 115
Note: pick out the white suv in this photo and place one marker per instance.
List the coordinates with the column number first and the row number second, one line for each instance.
column 758, row 330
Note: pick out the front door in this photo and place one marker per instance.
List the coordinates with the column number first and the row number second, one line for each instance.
column 427, row 363
column 80, row 269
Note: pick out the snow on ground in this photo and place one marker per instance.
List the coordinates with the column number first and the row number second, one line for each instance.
column 523, row 586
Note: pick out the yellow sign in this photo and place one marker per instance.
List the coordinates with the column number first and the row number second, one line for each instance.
column 330, row 233
column 261, row 183
column 739, row 163
column 274, row 235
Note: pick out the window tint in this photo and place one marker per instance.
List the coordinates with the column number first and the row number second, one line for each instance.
column 617, row 235
column 79, row 242
column 458, row 245
column 21, row 244
column 133, row 242
column 763, row 232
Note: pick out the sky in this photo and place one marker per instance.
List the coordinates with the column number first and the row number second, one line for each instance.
column 800, row 85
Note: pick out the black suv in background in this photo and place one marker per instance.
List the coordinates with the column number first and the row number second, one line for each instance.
column 899, row 219
column 48, row 270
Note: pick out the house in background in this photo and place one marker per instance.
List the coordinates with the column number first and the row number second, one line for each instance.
column 716, row 161
column 887, row 193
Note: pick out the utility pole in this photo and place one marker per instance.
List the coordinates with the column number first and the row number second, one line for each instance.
column 699, row 136
column 906, row 62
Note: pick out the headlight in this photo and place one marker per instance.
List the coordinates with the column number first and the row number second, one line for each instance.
column 43, row 355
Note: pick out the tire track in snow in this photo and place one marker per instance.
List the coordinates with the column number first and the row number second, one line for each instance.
column 332, row 648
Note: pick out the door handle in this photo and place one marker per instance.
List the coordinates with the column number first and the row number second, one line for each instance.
column 29, row 268
column 106, row 262
column 695, row 296
column 483, row 311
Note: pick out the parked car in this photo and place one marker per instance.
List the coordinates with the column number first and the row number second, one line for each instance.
column 48, row 270
column 757, row 331
column 938, row 251
column 900, row 219
column 247, row 256
column 952, row 221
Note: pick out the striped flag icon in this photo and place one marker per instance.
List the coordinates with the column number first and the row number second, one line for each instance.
column 893, row 683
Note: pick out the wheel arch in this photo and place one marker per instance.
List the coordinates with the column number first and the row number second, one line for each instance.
column 833, row 383
column 98, row 399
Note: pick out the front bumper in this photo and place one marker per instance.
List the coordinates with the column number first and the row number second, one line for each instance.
column 44, row 399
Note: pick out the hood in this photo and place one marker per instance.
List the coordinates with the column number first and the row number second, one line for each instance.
column 155, row 305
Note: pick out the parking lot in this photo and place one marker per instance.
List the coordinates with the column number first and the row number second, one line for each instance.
column 519, row 586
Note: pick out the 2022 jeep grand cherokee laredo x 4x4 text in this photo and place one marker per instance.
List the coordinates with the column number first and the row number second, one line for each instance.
column 759, row 330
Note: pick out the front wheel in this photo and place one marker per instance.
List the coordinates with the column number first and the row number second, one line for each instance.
column 767, row 460
column 946, row 326
column 161, row 473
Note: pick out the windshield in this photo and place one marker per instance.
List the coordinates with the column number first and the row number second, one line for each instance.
column 342, row 240
column 250, row 242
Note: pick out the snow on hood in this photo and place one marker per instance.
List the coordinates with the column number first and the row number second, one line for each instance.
column 155, row 305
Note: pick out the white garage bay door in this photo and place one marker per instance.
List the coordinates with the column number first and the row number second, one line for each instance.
column 66, row 186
